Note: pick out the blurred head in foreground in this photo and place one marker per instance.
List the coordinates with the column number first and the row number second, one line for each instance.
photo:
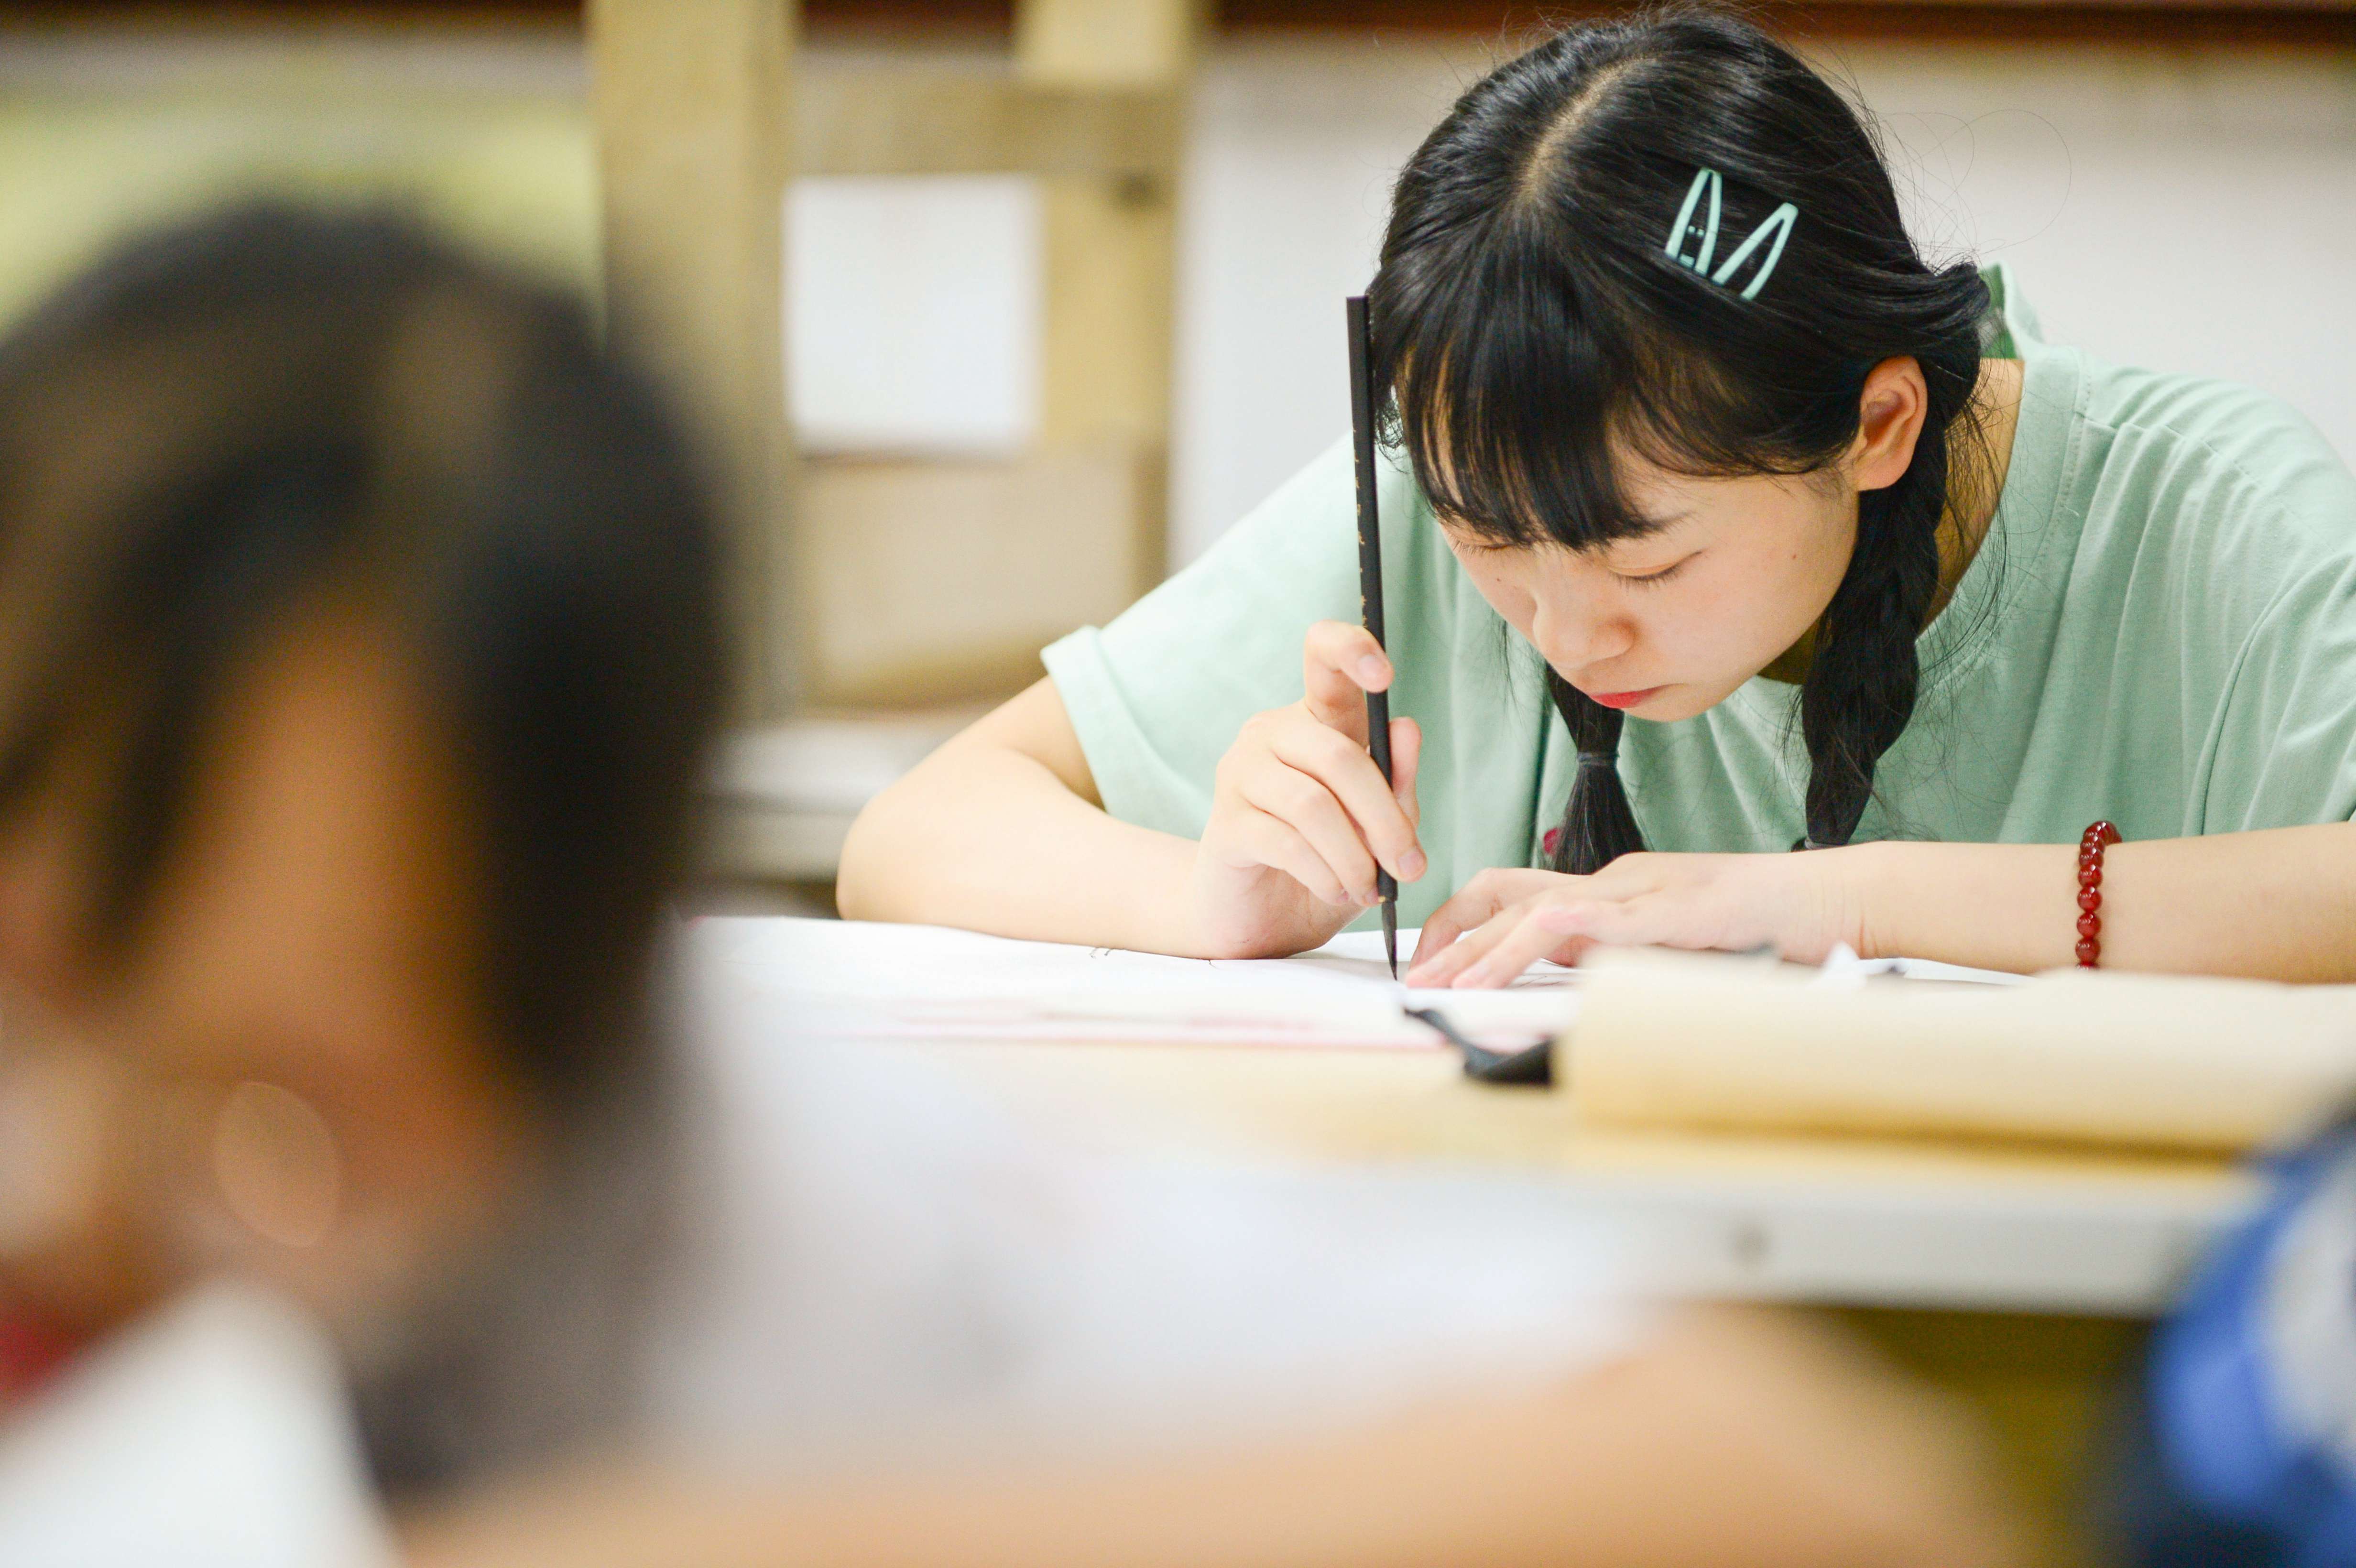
column 358, row 652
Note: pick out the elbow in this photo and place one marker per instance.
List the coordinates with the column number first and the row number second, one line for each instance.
column 863, row 890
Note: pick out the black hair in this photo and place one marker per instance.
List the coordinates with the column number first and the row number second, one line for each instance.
column 221, row 424
column 1532, row 314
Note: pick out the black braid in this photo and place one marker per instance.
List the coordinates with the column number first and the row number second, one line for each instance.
column 1598, row 824
column 1863, row 677
column 1865, row 674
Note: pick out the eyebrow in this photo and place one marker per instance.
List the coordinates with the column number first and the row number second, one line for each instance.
column 1649, row 527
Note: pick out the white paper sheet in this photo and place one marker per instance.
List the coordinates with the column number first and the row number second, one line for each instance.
column 855, row 980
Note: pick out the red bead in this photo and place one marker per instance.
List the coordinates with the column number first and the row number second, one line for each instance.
column 2098, row 837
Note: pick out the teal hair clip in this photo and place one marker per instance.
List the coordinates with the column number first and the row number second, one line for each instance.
column 1699, row 234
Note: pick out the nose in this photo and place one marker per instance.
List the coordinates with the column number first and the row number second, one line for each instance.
column 1575, row 633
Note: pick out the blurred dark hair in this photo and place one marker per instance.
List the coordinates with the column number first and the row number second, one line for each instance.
column 1532, row 310
column 221, row 424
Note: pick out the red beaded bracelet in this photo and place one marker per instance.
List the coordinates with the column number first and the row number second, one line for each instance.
column 2091, row 844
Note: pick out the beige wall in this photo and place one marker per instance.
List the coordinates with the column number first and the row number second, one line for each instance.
column 488, row 135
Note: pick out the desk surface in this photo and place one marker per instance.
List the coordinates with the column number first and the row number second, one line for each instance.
column 1834, row 1220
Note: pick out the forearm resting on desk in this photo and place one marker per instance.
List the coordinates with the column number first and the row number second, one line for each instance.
column 999, row 831
column 2278, row 904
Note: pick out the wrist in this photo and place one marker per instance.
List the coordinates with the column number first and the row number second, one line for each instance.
column 1182, row 921
column 1876, row 880
column 1988, row 906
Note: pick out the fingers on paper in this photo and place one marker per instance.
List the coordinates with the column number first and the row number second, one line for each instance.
column 1521, row 939
column 1475, row 904
column 1441, row 930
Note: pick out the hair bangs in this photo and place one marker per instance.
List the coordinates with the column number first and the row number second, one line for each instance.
column 1502, row 404
column 1688, row 413
column 1521, row 409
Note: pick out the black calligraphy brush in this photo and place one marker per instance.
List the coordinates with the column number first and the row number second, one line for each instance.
column 1370, row 581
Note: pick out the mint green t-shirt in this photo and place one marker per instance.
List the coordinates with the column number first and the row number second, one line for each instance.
column 2160, row 629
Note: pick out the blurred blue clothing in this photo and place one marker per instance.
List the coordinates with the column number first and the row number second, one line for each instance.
column 2241, row 1449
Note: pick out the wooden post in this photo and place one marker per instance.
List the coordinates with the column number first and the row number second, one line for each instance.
column 691, row 99
column 1105, row 43
column 1111, row 246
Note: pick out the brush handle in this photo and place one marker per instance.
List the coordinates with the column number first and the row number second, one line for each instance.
column 1370, row 572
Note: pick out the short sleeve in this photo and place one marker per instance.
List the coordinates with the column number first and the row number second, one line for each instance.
column 2284, row 752
column 1157, row 696
column 2278, row 603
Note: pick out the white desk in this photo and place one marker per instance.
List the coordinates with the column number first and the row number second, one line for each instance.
column 1847, row 1221
column 1820, row 1221
column 2019, row 1279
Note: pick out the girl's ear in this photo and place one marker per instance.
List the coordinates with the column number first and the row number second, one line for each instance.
column 1890, row 411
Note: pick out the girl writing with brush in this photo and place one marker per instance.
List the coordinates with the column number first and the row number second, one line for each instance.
column 1718, row 524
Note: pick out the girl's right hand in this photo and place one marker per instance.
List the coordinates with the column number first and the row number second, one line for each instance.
column 1300, row 817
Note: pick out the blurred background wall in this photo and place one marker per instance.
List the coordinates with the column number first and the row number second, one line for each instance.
column 1060, row 277
column 2184, row 203
column 105, row 128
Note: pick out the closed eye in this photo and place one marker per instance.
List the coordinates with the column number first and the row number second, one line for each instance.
column 1654, row 579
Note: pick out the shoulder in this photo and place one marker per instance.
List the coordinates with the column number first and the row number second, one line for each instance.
column 2117, row 461
column 2253, row 445
column 2232, row 481
column 2188, row 439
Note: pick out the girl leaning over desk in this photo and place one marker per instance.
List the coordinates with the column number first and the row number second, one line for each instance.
column 1687, row 433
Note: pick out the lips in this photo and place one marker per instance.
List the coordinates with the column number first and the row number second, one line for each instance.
column 1625, row 699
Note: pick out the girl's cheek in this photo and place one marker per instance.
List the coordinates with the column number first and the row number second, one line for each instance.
column 1514, row 600
column 1724, row 611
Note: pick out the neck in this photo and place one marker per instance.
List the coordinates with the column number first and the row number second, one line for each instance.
column 1976, row 468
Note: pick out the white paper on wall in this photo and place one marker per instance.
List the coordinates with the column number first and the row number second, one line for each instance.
column 914, row 311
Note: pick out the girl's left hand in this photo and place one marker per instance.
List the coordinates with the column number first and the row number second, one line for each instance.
column 1501, row 921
